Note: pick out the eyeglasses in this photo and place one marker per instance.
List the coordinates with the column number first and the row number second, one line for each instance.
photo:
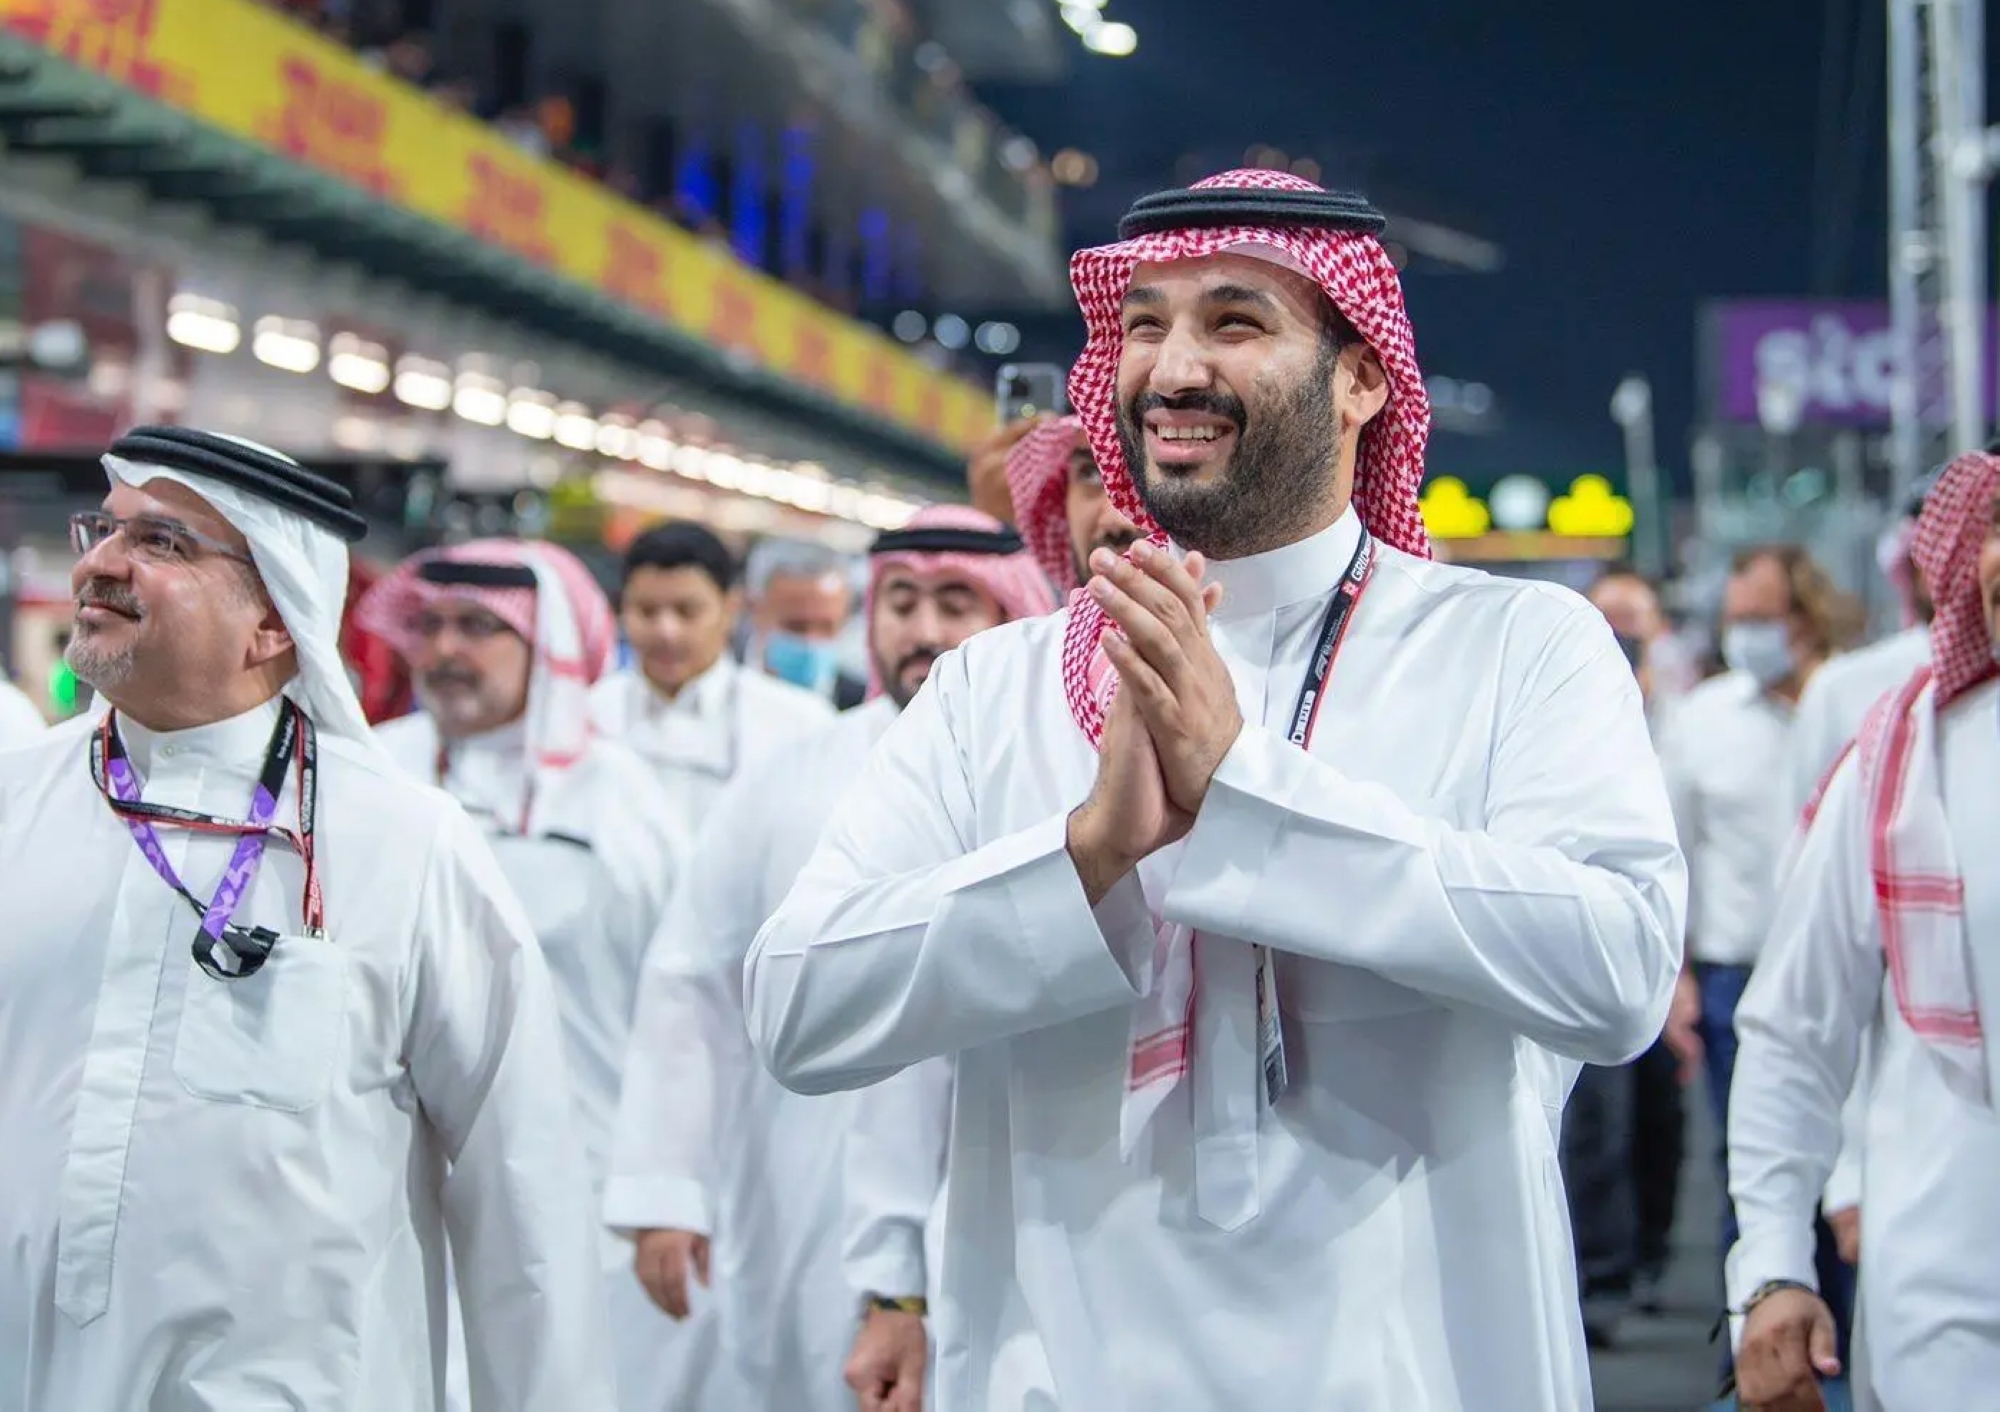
column 473, row 627
column 147, row 537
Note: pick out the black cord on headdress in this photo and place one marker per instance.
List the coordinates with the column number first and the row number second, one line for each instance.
column 1208, row 207
column 943, row 539
column 464, row 573
column 264, row 474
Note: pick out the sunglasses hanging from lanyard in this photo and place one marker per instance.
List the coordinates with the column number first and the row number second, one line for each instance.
column 223, row 948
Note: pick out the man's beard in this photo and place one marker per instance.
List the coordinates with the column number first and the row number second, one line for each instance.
column 1281, row 471
column 102, row 668
column 461, row 707
column 892, row 680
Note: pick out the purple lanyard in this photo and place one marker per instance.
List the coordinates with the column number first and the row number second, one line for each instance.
column 223, row 949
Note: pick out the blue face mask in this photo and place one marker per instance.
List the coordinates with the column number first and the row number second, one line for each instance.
column 801, row 661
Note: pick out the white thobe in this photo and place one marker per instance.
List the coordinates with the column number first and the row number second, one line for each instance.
column 236, row 1193
column 723, row 721
column 21, row 721
column 593, row 880
column 1831, row 709
column 1472, row 884
column 1720, row 746
column 707, row 1140
column 1930, row 1219
column 1838, row 697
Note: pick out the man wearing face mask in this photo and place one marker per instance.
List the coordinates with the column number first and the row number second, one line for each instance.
column 712, row 1154
column 800, row 600
column 1782, row 618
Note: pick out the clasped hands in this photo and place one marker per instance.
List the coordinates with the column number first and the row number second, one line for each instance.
column 1173, row 720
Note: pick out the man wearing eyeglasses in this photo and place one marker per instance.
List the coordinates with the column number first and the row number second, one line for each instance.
column 272, row 1023
column 504, row 640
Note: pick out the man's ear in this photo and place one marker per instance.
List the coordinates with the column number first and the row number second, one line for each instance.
column 1360, row 388
column 273, row 639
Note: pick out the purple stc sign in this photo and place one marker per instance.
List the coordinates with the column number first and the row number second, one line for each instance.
column 1836, row 356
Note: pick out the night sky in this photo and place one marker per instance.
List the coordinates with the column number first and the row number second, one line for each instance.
column 1629, row 165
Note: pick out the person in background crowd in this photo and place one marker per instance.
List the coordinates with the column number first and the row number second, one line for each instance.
column 1623, row 1129
column 1782, row 618
column 1833, row 703
column 380, row 677
column 239, row 1123
column 986, row 468
column 695, row 715
column 1405, row 944
column 1882, row 930
column 1059, row 502
column 717, row 1167
column 504, row 639
column 799, row 603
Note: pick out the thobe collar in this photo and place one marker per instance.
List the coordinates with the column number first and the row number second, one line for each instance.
column 1292, row 573
column 236, row 745
column 704, row 698
column 488, row 773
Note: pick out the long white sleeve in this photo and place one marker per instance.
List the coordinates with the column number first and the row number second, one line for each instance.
column 892, row 1169
column 486, row 1057
column 1562, row 915
column 690, row 1055
column 898, row 944
column 1816, row 989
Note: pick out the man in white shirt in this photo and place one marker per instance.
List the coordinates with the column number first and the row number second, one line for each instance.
column 504, row 639
column 239, row 1123
column 686, row 706
column 1837, row 698
column 1261, row 1050
column 800, row 601
column 711, row 1153
column 1888, row 928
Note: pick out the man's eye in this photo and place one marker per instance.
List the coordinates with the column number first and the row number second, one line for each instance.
column 160, row 540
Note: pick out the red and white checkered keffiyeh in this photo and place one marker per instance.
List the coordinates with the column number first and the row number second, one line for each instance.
column 1919, row 888
column 1014, row 580
column 1358, row 276
column 566, row 619
column 1038, row 484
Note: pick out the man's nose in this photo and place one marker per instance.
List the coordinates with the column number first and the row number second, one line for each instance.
column 1181, row 364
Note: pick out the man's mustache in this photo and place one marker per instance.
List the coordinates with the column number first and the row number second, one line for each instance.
column 1213, row 404
column 109, row 593
column 925, row 657
column 451, row 676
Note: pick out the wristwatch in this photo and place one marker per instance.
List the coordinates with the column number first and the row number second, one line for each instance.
column 1770, row 1287
column 904, row 1304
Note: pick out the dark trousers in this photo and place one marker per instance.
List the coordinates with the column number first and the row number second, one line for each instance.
column 1721, row 991
column 1622, row 1148
column 1659, row 1146
column 1597, row 1172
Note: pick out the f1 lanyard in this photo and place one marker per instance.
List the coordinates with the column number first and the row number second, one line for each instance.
column 1332, row 629
column 223, row 949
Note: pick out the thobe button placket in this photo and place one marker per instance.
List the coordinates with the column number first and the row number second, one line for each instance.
column 1225, row 1074
column 93, row 1178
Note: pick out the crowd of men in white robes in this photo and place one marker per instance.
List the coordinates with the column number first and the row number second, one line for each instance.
column 1167, row 999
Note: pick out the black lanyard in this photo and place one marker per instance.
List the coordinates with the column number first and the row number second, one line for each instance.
column 1332, row 629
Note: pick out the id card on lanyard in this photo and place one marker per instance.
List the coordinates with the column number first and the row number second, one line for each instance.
column 1305, row 715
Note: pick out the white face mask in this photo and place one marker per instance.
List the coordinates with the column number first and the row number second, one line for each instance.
column 1763, row 649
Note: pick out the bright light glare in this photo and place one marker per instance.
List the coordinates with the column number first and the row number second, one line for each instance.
column 358, row 365
column 531, row 413
column 206, row 325
column 423, row 384
column 480, row 402
column 290, row 345
column 575, row 427
column 1114, row 40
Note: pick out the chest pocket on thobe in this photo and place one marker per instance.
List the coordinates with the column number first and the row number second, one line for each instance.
column 1324, row 992
column 268, row 1040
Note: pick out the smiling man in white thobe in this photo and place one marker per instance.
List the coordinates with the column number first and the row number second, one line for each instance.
column 712, row 1154
column 241, row 1115
column 504, row 639
column 1262, row 1049
column 695, row 713
column 1888, row 927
